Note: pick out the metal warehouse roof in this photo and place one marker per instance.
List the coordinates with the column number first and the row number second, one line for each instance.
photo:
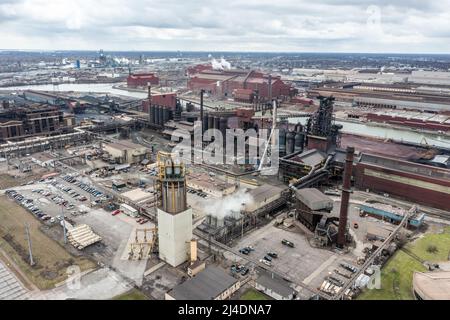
column 265, row 191
column 314, row 199
column 275, row 284
column 206, row 285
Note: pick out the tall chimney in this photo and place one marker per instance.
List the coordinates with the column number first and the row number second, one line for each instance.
column 346, row 190
column 201, row 107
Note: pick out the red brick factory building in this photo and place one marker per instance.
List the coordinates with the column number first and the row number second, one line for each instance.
column 238, row 83
column 142, row 80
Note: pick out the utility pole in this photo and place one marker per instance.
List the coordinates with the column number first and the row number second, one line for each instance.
column 27, row 233
column 64, row 224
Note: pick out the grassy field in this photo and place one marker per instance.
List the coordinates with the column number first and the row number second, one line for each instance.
column 252, row 294
column 51, row 259
column 133, row 294
column 396, row 275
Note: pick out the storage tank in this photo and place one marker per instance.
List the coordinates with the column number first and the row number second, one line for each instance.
column 299, row 140
column 156, row 112
column 217, row 123
column 166, row 113
column 150, row 114
column 189, row 107
column 205, row 123
column 161, row 116
column 290, row 142
column 210, row 122
column 282, row 141
column 223, row 125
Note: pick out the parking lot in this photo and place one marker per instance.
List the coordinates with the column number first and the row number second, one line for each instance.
column 302, row 262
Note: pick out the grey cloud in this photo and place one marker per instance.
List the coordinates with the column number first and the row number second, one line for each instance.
column 293, row 25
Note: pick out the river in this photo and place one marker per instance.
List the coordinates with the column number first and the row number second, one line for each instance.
column 82, row 87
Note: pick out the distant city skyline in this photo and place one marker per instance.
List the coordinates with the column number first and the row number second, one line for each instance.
column 396, row 26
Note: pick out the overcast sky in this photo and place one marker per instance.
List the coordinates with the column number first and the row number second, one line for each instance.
column 410, row 26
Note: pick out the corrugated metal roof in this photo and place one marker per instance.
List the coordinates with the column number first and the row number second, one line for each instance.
column 264, row 192
column 275, row 284
column 314, row 199
column 206, row 285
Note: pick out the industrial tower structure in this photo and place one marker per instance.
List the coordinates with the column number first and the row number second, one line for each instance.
column 174, row 217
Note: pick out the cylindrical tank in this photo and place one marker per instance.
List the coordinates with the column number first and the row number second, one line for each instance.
column 152, row 110
column 189, row 107
column 205, row 123
column 210, row 122
column 290, row 141
column 282, row 141
column 150, row 113
column 223, row 125
column 156, row 112
column 217, row 123
column 161, row 116
column 298, row 144
column 166, row 114
column 298, row 127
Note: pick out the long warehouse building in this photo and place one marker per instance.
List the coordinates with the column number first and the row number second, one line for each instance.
column 420, row 183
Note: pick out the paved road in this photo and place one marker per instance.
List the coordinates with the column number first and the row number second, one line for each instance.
column 10, row 286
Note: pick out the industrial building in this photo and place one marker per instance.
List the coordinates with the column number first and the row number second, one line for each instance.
column 124, row 152
column 415, row 182
column 428, row 121
column 213, row 283
column 209, row 185
column 34, row 119
column 312, row 205
column 265, row 199
column 274, row 286
column 377, row 97
column 142, row 80
column 223, row 83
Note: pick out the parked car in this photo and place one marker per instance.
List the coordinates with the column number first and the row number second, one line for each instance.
column 245, row 271
column 267, row 263
column 272, row 254
column 115, row 212
column 244, row 251
column 287, row 243
column 268, row 258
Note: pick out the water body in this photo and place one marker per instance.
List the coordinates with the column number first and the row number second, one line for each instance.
column 82, row 87
column 388, row 133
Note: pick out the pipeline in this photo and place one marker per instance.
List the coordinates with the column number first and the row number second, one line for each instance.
column 314, row 172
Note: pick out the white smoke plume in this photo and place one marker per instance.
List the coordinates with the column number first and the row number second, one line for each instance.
column 220, row 65
column 220, row 208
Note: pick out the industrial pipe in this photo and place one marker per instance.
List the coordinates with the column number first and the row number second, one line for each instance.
column 346, row 190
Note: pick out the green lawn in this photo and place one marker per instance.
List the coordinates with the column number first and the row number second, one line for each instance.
column 133, row 294
column 396, row 275
column 252, row 294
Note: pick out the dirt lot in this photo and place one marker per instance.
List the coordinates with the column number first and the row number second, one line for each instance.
column 50, row 257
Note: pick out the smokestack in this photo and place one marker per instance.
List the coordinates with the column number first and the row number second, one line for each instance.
column 346, row 190
column 201, row 107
